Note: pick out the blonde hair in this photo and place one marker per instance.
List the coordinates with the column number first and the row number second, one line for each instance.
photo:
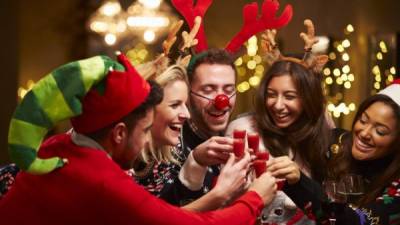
column 164, row 153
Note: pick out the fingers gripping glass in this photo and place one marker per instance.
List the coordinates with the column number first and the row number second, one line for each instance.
column 220, row 101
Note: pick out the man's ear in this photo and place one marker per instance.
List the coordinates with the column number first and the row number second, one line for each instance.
column 119, row 133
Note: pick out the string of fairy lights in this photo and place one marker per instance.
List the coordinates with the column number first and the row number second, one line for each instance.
column 338, row 75
column 383, row 73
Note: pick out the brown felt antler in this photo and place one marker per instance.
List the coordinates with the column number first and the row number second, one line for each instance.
column 189, row 41
column 311, row 61
column 254, row 24
column 190, row 11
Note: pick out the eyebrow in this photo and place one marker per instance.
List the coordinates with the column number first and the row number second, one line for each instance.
column 377, row 123
column 286, row 92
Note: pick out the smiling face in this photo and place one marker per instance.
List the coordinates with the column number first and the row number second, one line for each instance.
column 374, row 132
column 209, row 81
column 283, row 101
column 170, row 114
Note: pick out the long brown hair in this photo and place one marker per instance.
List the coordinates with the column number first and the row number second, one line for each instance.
column 308, row 135
column 344, row 163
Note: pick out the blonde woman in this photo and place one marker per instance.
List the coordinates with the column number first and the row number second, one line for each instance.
column 161, row 173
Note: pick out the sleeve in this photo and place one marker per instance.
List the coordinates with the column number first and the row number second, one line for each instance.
column 192, row 174
column 308, row 195
column 131, row 204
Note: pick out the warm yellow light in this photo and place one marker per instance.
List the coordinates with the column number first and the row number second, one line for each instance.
column 377, row 85
column 376, row 70
column 346, row 43
column 110, row 8
column 346, row 69
column 99, row 26
column 378, row 78
column 350, row 77
column 336, row 113
column 151, row 4
column 390, row 78
column 349, row 28
column 257, row 58
column 383, row 47
column 346, row 111
column 329, row 80
column 347, row 84
column 253, row 40
column 251, row 64
column 147, row 21
column 252, row 50
column 339, row 81
column 244, row 86
column 30, row 84
column 110, row 39
column 345, row 57
column 332, row 56
column 392, row 70
column 254, row 80
column 149, row 36
column 340, row 48
column 344, row 77
column 331, row 107
column 379, row 56
column 259, row 69
column 352, row 106
column 327, row 71
column 239, row 61
column 336, row 72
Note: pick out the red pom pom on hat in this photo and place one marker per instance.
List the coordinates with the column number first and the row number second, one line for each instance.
column 393, row 91
column 124, row 92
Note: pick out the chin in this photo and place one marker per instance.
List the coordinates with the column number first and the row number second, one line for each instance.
column 360, row 156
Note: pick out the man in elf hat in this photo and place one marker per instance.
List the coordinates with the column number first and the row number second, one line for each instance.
column 78, row 177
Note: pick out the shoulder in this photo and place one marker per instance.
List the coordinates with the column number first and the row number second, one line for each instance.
column 244, row 122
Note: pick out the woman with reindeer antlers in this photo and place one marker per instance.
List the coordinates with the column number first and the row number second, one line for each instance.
column 290, row 118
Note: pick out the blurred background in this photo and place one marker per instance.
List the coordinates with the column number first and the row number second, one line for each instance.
column 361, row 38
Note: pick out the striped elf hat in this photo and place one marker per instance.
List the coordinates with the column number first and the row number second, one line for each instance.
column 393, row 91
column 67, row 92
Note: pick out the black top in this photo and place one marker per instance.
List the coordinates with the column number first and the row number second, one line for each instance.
column 385, row 210
column 162, row 179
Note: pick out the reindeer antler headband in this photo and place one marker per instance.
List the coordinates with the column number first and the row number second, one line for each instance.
column 309, row 60
column 154, row 68
column 252, row 25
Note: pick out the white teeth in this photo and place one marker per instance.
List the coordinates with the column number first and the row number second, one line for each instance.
column 362, row 144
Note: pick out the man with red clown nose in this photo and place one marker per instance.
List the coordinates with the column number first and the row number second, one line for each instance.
column 78, row 177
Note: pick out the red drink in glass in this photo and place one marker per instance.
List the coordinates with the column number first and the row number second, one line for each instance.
column 238, row 147
column 239, row 134
column 260, row 166
column 253, row 140
column 262, row 156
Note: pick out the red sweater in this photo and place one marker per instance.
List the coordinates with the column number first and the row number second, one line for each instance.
column 92, row 189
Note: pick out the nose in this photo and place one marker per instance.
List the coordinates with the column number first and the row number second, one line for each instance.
column 279, row 104
column 184, row 114
column 366, row 132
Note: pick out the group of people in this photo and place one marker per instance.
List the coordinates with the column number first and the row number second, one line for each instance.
column 155, row 146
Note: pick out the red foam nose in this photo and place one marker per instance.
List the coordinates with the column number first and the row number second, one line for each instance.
column 221, row 101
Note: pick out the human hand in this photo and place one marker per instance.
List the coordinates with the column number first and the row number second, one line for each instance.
column 232, row 179
column 283, row 167
column 265, row 186
column 214, row 151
